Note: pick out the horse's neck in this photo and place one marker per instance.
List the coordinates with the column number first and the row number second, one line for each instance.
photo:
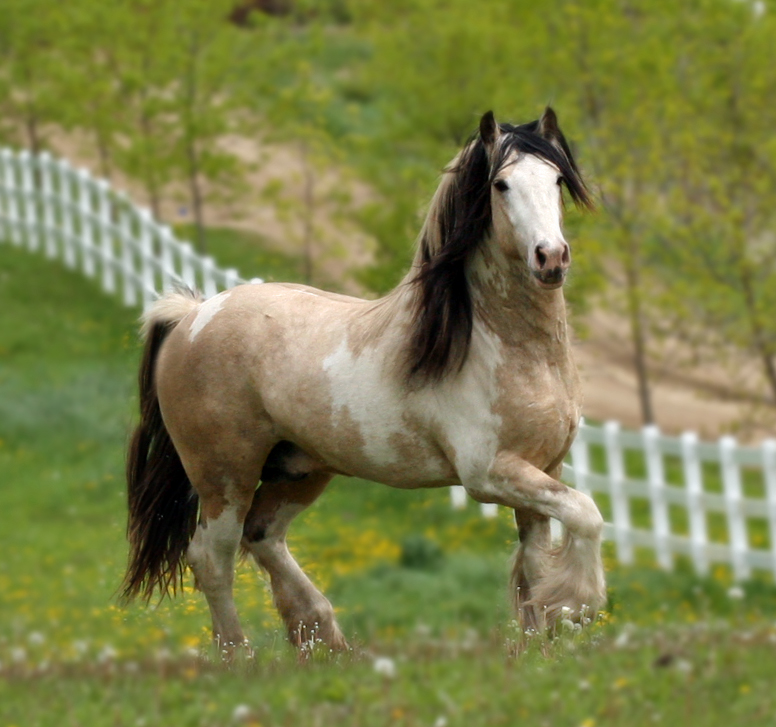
column 511, row 305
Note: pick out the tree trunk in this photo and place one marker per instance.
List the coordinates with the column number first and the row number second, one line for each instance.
column 638, row 337
column 758, row 333
column 104, row 154
column 31, row 125
column 308, row 215
column 196, row 196
column 149, row 175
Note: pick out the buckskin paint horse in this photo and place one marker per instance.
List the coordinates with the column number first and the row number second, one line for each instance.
column 463, row 374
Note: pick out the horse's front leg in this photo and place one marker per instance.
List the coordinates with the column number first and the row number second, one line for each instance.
column 572, row 574
column 530, row 563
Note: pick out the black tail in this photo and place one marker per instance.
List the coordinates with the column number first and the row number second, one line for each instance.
column 162, row 504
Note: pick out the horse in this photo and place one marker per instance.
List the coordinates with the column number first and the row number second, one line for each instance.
column 252, row 400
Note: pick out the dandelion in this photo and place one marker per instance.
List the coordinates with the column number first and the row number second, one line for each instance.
column 18, row 654
column 241, row 713
column 441, row 721
column 683, row 666
column 36, row 638
column 385, row 666
column 735, row 593
column 107, row 654
column 584, row 685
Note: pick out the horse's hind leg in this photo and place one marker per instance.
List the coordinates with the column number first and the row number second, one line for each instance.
column 211, row 556
column 306, row 612
column 225, row 490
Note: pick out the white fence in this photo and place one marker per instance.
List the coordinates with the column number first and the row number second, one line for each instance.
column 711, row 502
column 47, row 205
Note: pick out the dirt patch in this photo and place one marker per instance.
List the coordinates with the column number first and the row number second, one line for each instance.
column 709, row 398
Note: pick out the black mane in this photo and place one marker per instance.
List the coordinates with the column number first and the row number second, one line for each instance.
column 442, row 318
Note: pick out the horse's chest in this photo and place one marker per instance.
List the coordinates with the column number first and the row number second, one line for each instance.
column 539, row 406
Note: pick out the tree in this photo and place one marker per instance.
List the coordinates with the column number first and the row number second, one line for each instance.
column 29, row 63
column 203, row 54
column 721, row 260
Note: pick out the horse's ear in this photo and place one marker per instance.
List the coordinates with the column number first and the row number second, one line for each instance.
column 548, row 125
column 489, row 131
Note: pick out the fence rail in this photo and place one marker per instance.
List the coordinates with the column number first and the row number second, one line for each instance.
column 48, row 205
column 710, row 502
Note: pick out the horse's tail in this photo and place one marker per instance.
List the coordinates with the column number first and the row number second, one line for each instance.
column 162, row 505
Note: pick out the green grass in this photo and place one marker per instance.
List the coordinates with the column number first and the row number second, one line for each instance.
column 411, row 579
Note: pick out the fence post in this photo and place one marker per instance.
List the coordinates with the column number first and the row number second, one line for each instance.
column 458, row 497
column 47, row 189
column 731, row 481
column 85, row 227
column 231, row 278
column 187, row 268
column 128, row 248
column 147, row 272
column 769, row 475
column 693, row 481
column 28, row 201
column 208, row 279
column 10, row 207
column 620, row 507
column 166, row 242
column 656, row 479
column 580, row 459
column 489, row 509
column 106, row 236
column 66, row 210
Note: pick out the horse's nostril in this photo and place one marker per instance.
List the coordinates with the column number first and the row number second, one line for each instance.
column 541, row 258
column 566, row 257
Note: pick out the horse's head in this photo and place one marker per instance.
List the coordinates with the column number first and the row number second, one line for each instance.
column 528, row 167
column 503, row 190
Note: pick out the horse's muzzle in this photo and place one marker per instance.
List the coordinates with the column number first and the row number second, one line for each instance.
column 551, row 278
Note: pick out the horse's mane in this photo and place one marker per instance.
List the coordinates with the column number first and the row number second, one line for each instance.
column 458, row 220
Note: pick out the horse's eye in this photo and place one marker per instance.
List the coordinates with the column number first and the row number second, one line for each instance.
column 560, row 181
column 501, row 185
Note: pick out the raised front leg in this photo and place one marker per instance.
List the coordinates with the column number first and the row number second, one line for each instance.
column 570, row 575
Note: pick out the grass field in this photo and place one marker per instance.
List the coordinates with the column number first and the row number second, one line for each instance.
column 420, row 589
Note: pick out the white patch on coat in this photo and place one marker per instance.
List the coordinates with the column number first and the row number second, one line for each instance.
column 206, row 313
column 361, row 391
column 211, row 551
column 466, row 410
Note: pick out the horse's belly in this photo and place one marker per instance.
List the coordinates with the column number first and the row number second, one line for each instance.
column 361, row 421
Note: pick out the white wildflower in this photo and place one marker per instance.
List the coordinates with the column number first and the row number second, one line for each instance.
column 385, row 666
column 18, row 654
column 36, row 638
column 107, row 654
column 241, row 713
column 683, row 665
column 441, row 721
column 735, row 593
